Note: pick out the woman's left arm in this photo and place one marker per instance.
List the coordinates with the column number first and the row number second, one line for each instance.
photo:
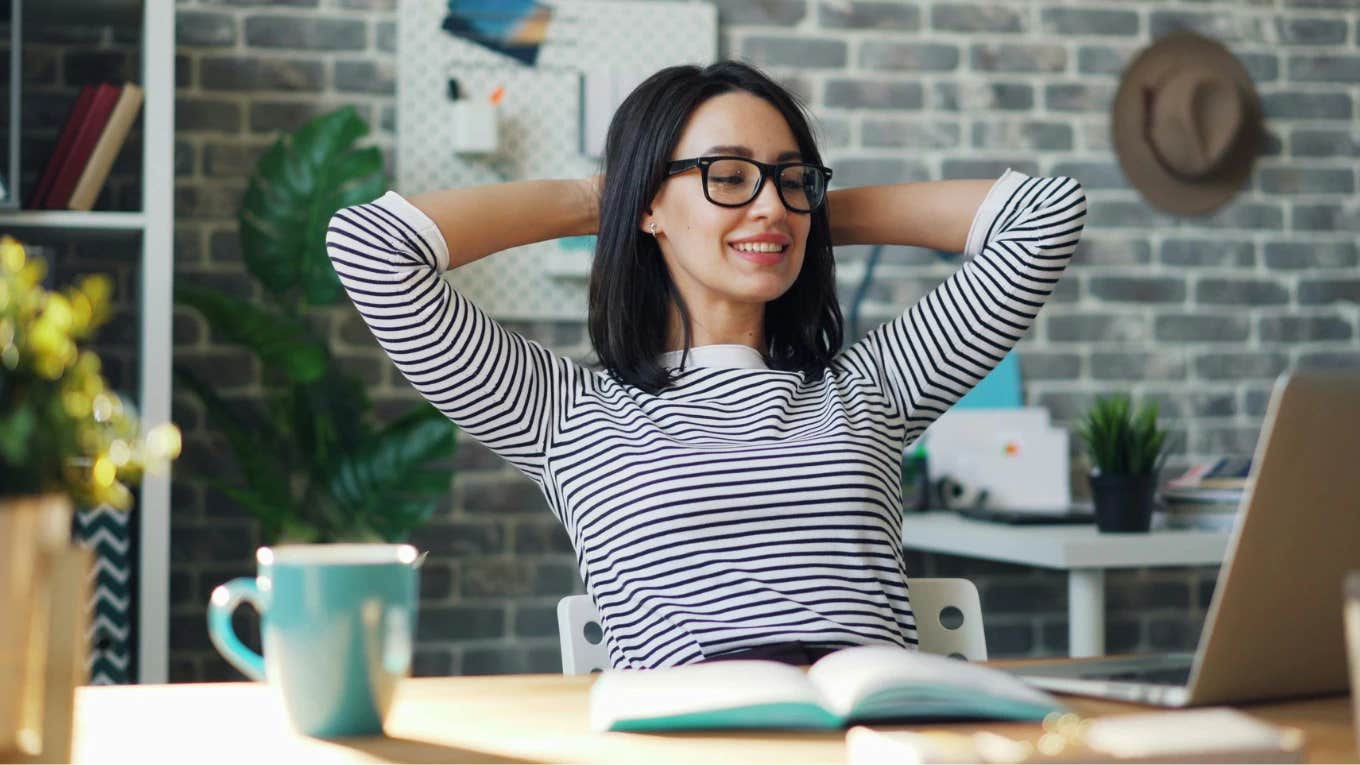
column 934, row 214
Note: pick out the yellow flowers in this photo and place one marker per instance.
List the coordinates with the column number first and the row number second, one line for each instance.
column 61, row 429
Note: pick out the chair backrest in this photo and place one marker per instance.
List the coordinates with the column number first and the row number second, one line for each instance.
column 948, row 621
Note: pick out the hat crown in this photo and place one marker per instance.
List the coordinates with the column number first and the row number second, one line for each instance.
column 1194, row 119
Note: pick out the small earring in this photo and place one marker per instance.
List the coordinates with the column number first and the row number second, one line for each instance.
column 653, row 228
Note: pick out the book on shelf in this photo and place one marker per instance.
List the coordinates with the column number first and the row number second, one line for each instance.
column 94, row 133
column 1215, row 734
column 877, row 683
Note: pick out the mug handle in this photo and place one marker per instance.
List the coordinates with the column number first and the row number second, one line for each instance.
column 224, row 602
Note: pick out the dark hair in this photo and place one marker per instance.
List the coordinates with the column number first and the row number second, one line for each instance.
column 630, row 287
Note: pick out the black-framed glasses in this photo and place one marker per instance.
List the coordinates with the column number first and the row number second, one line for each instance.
column 735, row 181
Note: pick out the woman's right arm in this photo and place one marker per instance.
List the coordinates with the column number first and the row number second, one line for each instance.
column 480, row 220
column 499, row 387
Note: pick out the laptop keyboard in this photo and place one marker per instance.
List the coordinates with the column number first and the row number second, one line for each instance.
column 1160, row 676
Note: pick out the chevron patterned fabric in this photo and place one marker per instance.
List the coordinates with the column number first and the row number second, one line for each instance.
column 106, row 530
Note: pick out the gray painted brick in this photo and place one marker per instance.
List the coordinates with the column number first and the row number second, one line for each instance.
column 1329, row 360
column 1088, row 21
column 1137, row 366
column 1138, row 289
column 1029, row 134
column 460, row 622
column 256, row 73
column 206, row 114
column 959, row 17
column 1327, row 217
column 1310, row 31
column 1102, row 59
column 204, row 28
column 1212, row 253
column 1131, row 593
column 495, row 577
column 1328, row 291
column 1009, row 57
column 1292, row 329
column 558, row 578
column 436, row 581
column 1047, row 365
column 1324, row 142
column 535, row 621
column 1285, row 256
column 82, row 66
column 765, row 13
column 365, row 77
column 185, row 71
column 305, row 33
column 541, row 535
column 976, row 95
column 1306, row 106
column 1093, row 175
column 1261, row 67
column 1307, row 180
column 186, row 163
column 1078, row 97
column 1174, row 633
column 1325, row 67
column 1015, row 639
column 1226, row 27
column 1224, row 440
column 431, row 661
column 908, row 56
column 869, row 171
column 385, row 37
column 869, row 15
column 802, row 52
column 874, row 94
column 987, row 168
column 831, row 133
column 1191, row 328
column 1229, row 365
column 1249, row 292
column 1092, row 327
column 1095, row 249
column 460, row 537
column 909, row 133
column 1023, row 597
column 1241, row 214
column 1117, row 213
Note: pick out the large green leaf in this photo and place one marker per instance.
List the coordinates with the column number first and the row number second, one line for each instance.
column 281, row 343
column 299, row 183
column 397, row 475
column 326, row 416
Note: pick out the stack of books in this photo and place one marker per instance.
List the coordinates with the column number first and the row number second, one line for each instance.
column 94, row 132
column 1206, row 496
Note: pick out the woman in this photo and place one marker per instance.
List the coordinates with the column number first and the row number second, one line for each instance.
column 729, row 478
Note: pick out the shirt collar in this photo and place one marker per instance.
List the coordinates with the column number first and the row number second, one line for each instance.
column 719, row 356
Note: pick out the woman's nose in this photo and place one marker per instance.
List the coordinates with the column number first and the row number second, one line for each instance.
column 767, row 202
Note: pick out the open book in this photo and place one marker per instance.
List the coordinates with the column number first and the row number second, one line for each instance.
column 855, row 685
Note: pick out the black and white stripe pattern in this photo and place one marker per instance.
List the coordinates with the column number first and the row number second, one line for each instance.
column 739, row 507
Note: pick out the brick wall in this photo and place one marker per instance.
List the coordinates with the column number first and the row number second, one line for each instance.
column 1201, row 314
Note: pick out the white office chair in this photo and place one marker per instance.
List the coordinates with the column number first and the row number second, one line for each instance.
column 948, row 621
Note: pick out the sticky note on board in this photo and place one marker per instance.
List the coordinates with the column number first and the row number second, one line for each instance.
column 602, row 91
column 998, row 390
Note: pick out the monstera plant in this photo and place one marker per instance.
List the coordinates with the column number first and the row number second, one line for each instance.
column 314, row 465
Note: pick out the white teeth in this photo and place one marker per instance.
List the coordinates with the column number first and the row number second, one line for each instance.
column 759, row 247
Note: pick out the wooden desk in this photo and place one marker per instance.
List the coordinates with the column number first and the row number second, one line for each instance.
column 505, row 718
column 1080, row 550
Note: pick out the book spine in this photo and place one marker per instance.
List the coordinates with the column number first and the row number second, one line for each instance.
column 101, row 106
column 106, row 150
column 68, row 133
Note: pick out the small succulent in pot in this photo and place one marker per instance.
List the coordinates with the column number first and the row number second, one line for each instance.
column 1127, row 450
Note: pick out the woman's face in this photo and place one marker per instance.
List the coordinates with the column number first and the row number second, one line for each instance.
column 728, row 259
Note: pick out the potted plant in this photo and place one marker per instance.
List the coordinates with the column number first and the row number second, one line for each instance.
column 1126, row 448
column 313, row 464
column 66, row 440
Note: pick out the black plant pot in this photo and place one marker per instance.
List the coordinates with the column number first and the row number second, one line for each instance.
column 1123, row 503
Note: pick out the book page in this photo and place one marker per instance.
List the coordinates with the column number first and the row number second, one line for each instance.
column 652, row 694
column 849, row 677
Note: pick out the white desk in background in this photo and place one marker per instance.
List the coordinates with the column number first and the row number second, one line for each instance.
column 1078, row 549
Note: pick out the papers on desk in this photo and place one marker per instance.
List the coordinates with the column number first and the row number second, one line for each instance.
column 1016, row 455
column 1218, row 734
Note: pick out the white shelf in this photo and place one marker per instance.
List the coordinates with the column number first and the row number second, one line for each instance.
column 72, row 219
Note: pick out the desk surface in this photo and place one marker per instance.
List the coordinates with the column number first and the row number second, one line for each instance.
column 1062, row 546
column 506, row 718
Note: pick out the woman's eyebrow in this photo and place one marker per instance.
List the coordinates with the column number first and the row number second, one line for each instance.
column 744, row 151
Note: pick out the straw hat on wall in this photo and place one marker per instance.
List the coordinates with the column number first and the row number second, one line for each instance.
column 1187, row 124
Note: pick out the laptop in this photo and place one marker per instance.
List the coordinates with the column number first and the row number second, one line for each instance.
column 1274, row 627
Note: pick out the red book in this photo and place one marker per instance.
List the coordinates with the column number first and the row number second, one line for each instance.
column 68, row 134
column 101, row 106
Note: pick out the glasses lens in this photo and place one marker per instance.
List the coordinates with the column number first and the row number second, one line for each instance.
column 802, row 187
column 732, row 181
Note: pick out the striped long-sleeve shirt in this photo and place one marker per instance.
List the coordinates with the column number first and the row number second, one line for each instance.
column 740, row 506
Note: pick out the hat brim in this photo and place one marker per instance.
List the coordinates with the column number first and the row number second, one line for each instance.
column 1128, row 114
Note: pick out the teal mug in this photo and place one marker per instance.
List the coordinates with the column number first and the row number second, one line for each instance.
column 338, row 624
